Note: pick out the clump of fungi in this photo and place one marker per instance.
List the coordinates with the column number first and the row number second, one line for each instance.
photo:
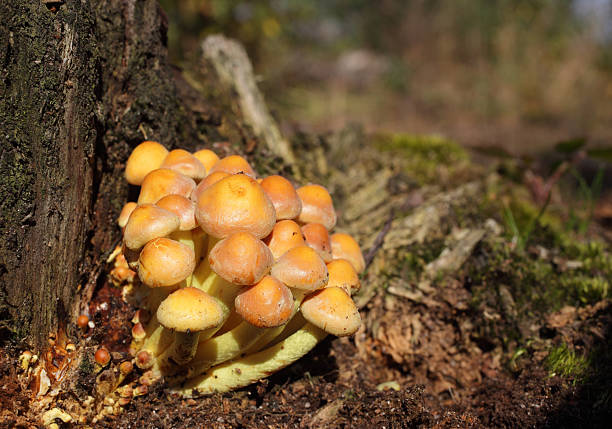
column 239, row 275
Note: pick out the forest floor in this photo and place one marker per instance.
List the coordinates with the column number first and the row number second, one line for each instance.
column 485, row 304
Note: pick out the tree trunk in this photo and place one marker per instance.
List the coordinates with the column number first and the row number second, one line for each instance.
column 81, row 84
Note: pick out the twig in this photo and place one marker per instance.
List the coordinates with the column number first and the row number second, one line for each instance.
column 380, row 238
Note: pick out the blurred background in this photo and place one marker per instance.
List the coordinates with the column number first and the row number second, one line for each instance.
column 516, row 75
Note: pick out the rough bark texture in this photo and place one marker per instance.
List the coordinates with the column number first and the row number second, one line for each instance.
column 81, row 84
column 47, row 104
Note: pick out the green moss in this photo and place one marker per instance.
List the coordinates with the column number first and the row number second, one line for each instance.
column 565, row 362
column 585, row 289
column 412, row 261
column 524, row 211
column 423, row 157
column 86, row 367
column 539, row 285
column 431, row 148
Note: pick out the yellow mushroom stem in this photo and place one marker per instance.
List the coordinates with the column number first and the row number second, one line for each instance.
column 251, row 368
column 222, row 348
column 184, row 347
column 156, row 340
column 181, row 351
column 160, row 339
column 212, row 352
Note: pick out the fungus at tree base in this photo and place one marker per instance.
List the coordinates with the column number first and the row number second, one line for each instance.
column 253, row 266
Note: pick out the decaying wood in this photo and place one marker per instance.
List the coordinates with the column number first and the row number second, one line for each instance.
column 47, row 164
column 233, row 66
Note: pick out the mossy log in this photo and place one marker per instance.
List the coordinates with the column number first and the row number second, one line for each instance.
column 81, row 84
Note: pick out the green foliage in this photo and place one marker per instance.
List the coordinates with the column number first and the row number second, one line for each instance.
column 522, row 234
column 545, row 268
column 581, row 213
column 565, row 362
column 570, row 146
column 587, row 290
column 603, row 153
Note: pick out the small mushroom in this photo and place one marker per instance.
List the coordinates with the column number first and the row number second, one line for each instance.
column 164, row 181
column 317, row 206
column 345, row 247
column 342, row 274
column 165, row 262
column 146, row 223
column 82, row 321
column 266, row 304
column 285, row 236
column 187, row 312
column 241, row 259
column 332, row 310
column 209, row 180
column 236, row 203
column 185, row 163
column 182, row 207
column 207, row 157
column 317, row 237
column 285, row 199
column 102, row 357
column 234, row 164
column 301, row 268
column 126, row 211
column 145, row 157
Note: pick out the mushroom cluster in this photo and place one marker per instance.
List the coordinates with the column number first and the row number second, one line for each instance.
column 239, row 275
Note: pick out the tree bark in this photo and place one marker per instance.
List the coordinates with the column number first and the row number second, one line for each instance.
column 81, row 83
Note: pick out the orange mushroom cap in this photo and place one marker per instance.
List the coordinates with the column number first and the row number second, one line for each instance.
column 301, row 268
column 345, row 247
column 209, row 180
column 145, row 157
column 285, row 236
column 234, row 164
column 190, row 310
column 241, row 259
column 317, row 206
column 283, row 195
column 102, row 356
column 342, row 274
column 207, row 157
column 183, row 207
column 147, row 222
column 163, row 181
column 317, row 237
column 266, row 304
column 165, row 262
column 234, row 204
column 332, row 310
column 126, row 211
column 185, row 163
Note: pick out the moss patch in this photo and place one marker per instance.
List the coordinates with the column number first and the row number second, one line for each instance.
column 425, row 158
column 565, row 362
